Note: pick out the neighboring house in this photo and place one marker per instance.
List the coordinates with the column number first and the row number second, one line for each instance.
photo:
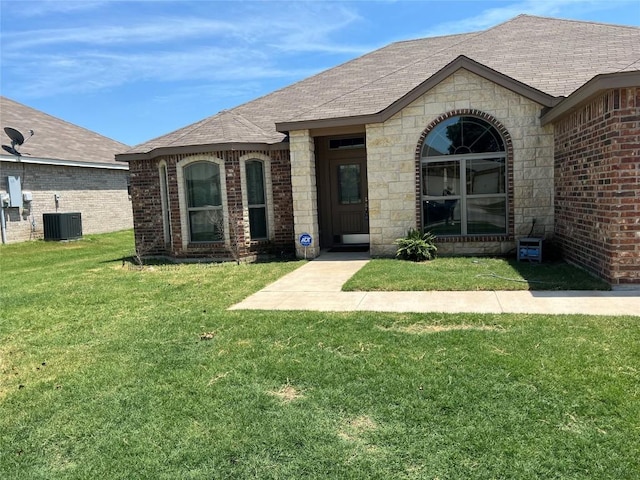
column 531, row 127
column 62, row 168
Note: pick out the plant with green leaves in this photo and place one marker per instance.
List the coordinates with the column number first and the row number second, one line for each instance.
column 417, row 246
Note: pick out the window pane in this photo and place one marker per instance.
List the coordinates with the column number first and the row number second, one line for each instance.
column 255, row 183
column 474, row 135
column 206, row 225
column 486, row 215
column 441, row 217
column 356, row 142
column 462, row 135
column 203, row 185
column 258, row 222
column 349, row 184
column 441, row 179
column 164, row 198
column 485, row 176
column 438, row 143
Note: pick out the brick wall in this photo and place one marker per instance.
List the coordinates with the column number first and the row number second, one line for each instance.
column 100, row 195
column 148, row 219
column 597, row 185
column 147, row 207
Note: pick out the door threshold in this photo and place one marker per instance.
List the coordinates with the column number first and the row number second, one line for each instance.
column 350, row 247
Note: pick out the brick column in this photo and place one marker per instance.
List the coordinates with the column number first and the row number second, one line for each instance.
column 305, row 195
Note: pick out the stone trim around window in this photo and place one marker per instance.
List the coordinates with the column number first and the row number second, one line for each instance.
column 510, row 235
column 182, row 199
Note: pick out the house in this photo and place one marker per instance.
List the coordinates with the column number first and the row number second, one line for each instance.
column 60, row 168
column 531, row 127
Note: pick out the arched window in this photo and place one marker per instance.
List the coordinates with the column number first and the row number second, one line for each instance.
column 463, row 175
column 256, row 199
column 204, row 202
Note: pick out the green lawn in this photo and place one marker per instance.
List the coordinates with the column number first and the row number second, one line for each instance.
column 108, row 371
column 465, row 273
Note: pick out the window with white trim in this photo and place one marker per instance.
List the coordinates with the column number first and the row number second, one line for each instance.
column 204, row 202
column 464, row 177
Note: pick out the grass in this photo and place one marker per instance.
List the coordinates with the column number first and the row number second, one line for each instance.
column 108, row 371
column 464, row 273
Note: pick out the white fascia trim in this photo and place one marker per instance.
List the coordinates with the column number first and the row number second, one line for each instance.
column 63, row 163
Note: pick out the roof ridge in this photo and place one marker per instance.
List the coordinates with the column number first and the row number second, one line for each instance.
column 248, row 122
column 571, row 20
column 409, row 40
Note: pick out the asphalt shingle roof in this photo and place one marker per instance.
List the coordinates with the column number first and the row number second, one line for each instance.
column 55, row 139
column 553, row 56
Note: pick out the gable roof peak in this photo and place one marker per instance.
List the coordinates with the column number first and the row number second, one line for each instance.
column 544, row 59
column 527, row 16
column 57, row 139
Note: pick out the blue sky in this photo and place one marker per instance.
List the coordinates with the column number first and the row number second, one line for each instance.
column 135, row 70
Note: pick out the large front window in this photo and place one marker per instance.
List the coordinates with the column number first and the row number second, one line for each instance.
column 463, row 174
column 204, row 202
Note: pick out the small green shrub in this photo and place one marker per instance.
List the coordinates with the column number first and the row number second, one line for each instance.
column 417, row 246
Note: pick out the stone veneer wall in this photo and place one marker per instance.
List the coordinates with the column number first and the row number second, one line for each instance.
column 100, row 195
column 305, row 194
column 597, row 187
column 147, row 207
column 391, row 163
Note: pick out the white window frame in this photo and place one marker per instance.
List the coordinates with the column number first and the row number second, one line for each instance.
column 182, row 197
column 268, row 187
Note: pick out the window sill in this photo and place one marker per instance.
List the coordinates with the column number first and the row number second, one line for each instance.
column 219, row 243
column 474, row 238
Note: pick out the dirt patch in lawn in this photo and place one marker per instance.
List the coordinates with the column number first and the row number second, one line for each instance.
column 287, row 393
column 420, row 328
column 353, row 429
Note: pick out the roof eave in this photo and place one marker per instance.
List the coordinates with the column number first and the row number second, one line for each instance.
column 597, row 84
column 461, row 62
column 62, row 163
column 205, row 148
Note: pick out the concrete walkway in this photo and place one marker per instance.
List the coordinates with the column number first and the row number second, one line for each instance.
column 316, row 286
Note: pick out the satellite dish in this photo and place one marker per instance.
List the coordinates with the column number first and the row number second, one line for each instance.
column 16, row 139
column 11, row 150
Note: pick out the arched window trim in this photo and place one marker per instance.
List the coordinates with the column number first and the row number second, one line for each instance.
column 182, row 197
column 266, row 163
column 507, row 154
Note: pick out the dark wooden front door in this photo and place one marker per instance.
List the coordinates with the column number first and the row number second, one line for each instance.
column 341, row 176
column 349, row 200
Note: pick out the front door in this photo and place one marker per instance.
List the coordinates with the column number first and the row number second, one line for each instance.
column 349, row 200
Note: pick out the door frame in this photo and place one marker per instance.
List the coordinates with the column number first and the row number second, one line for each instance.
column 325, row 156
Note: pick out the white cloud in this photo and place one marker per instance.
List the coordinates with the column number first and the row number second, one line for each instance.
column 295, row 29
column 33, row 8
column 161, row 31
column 91, row 71
column 257, row 45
